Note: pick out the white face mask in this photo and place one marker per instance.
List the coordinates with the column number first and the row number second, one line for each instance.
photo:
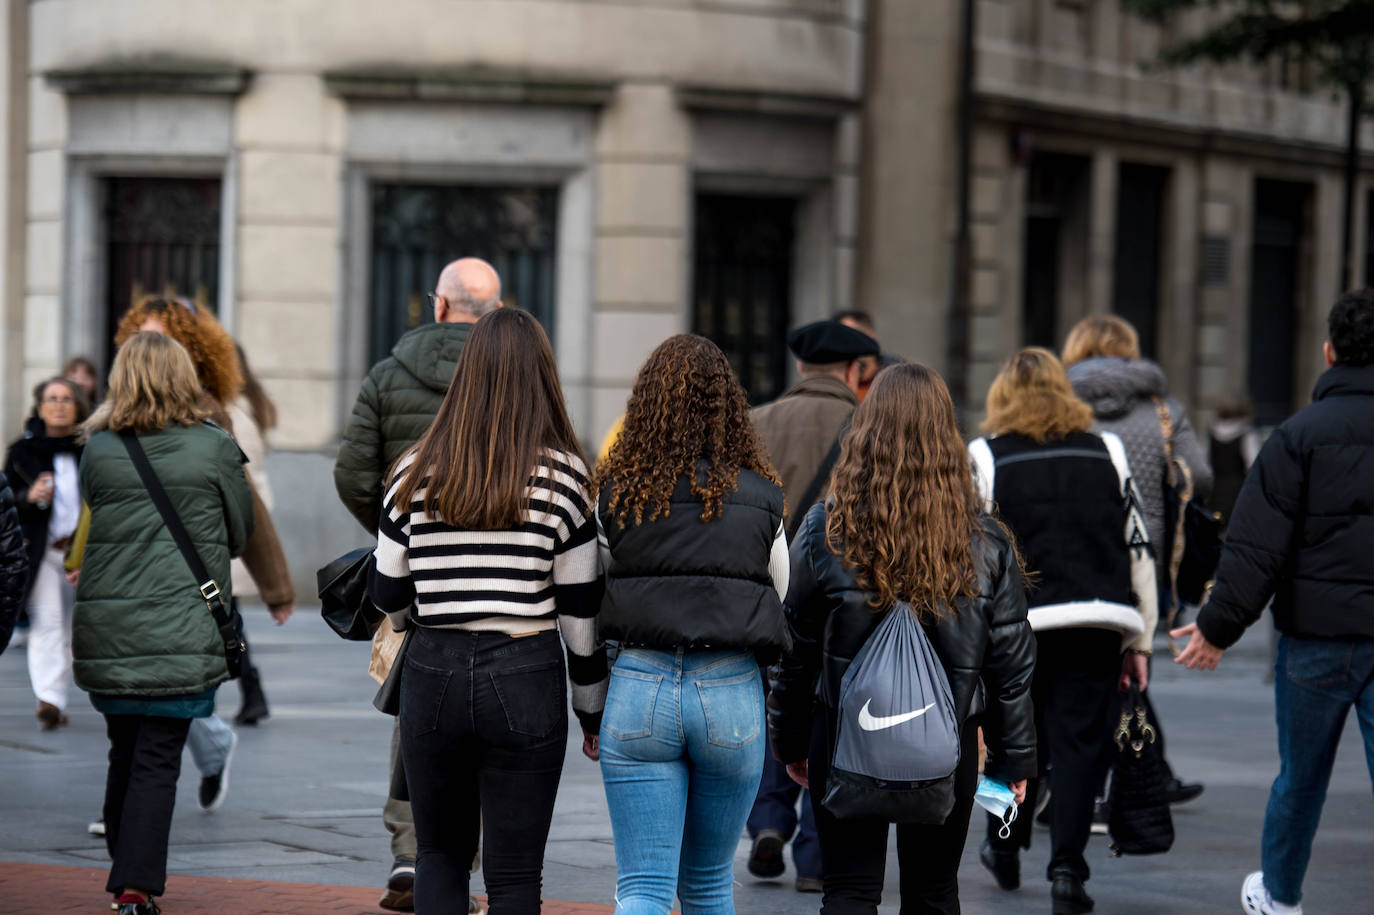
column 998, row 800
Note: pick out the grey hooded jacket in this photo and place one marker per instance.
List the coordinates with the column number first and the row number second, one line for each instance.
column 1121, row 393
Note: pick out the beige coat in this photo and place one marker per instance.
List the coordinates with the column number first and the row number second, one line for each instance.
column 799, row 428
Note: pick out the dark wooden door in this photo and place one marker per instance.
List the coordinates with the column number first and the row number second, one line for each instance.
column 1139, row 234
column 1280, row 218
column 418, row 228
column 162, row 236
column 742, row 285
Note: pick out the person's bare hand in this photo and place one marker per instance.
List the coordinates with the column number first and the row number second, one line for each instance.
column 1199, row 654
column 591, row 746
column 797, row 771
column 41, row 490
column 282, row 612
column 1019, row 789
column 1134, row 666
column 73, row 576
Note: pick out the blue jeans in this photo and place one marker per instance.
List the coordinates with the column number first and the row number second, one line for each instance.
column 1316, row 681
column 210, row 741
column 682, row 747
column 775, row 807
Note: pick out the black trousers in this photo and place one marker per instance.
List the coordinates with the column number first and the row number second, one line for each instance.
column 1074, row 691
column 484, row 728
column 854, row 852
column 140, row 792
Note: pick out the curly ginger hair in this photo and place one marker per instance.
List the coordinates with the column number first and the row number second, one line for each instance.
column 686, row 407
column 208, row 343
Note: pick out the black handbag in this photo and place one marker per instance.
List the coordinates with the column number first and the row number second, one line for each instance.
column 226, row 618
column 1140, row 822
column 344, row 603
column 1192, row 532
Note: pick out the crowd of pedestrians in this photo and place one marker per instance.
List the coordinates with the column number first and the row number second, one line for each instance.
column 703, row 597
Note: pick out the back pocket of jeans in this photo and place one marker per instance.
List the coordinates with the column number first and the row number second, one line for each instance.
column 422, row 696
column 733, row 707
column 532, row 698
column 1318, row 664
column 629, row 713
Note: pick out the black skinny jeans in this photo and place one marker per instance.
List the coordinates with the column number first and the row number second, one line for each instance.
column 1074, row 689
column 854, row 852
column 140, row 792
column 484, row 727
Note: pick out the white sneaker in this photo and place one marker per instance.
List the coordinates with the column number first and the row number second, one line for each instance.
column 97, row 828
column 1255, row 899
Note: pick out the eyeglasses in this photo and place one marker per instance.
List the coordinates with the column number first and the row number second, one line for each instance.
column 433, row 299
column 67, row 401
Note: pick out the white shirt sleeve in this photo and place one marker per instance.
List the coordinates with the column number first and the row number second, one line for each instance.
column 780, row 563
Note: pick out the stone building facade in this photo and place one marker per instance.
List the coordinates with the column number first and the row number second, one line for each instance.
column 642, row 167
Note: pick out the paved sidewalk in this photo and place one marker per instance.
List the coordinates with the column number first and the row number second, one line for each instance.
column 47, row 888
column 302, row 821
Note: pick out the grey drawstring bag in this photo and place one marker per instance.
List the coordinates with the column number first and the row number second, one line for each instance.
column 897, row 741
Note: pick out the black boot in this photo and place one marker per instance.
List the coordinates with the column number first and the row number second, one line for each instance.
column 1068, row 895
column 254, row 707
column 1005, row 866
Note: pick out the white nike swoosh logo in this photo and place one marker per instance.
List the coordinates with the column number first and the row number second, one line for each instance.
column 870, row 723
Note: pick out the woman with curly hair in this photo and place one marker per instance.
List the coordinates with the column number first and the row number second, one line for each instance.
column 1067, row 495
column 902, row 523
column 689, row 519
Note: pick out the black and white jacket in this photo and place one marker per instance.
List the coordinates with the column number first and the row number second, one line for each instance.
column 1076, row 516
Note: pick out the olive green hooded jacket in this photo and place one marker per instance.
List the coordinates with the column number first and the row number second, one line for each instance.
column 396, row 405
column 141, row 627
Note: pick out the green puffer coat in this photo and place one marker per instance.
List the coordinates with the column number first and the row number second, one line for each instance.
column 140, row 626
column 396, row 405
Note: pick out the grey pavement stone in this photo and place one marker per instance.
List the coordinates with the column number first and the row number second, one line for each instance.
column 307, row 787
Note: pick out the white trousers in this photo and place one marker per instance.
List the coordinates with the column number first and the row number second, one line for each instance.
column 50, row 631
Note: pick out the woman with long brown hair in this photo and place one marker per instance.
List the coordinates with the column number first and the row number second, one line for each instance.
column 1067, row 495
column 487, row 549
column 902, row 523
column 690, row 520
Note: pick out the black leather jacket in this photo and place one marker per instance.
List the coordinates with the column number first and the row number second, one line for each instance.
column 14, row 564
column 986, row 646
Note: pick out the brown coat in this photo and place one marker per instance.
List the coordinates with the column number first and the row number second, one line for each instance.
column 799, row 428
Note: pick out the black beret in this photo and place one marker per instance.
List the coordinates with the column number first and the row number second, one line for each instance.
column 824, row 342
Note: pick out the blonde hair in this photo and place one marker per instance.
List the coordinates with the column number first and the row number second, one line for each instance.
column 1101, row 335
column 1031, row 396
column 153, row 384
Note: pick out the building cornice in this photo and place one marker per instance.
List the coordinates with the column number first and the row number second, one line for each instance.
column 158, row 75
column 469, row 84
column 1163, row 132
column 774, row 104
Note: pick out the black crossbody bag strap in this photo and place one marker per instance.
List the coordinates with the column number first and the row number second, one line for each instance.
column 813, row 489
column 209, row 589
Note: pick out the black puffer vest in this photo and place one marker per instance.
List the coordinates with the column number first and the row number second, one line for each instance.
column 680, row 582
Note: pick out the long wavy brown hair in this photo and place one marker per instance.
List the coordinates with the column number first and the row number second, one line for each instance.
column 902, row 511
column 1031, row 396
column 504, row 407
column 686, row 407
column 194, row 327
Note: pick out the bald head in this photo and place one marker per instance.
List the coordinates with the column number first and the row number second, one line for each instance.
column 467, row 289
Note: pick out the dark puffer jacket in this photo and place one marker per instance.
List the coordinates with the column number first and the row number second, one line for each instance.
column 14, row 564
column 397, row 403
column 1304, row 523
column 140, row 627
column 1121, row 393
column 680, row 582
column 986, row 646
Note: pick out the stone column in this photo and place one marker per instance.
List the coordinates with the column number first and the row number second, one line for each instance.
column 14, row 91
column 285, row 169
column 642, row 245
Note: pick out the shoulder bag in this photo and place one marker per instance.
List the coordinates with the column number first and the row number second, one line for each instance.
column 1140, row 822
column 225, row 617
column 1192, row 532
column 344, row 603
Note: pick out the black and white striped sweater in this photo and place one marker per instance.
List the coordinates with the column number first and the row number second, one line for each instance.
column 542, row 573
